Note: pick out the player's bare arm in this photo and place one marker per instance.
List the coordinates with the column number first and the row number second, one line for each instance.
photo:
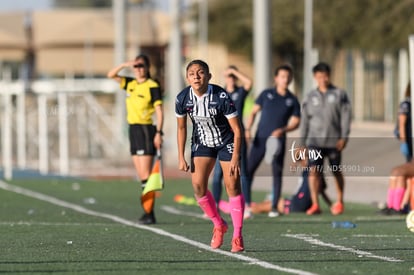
column 293, row 124
column 159, row 114
column 244, row 79
column 256, row 108
column 235, row 160
column 113, row 73
column 402, row 120
column 340, row 144
column 181, row 138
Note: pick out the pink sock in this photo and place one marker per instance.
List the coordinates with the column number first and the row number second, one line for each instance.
column 398, row 197
column 236, row 212
column 208, row 205
column 390, row 197
column 224, row 206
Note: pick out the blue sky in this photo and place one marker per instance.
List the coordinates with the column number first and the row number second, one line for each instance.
column 15, row 5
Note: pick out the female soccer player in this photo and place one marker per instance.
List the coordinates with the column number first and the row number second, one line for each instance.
column 400, row 189
column 143, row 98
column 216, row 133
column 238, row 94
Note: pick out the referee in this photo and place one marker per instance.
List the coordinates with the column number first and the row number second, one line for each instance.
column 143, row 98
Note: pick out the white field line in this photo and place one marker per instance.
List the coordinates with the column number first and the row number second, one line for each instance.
column 387, row 218
column 380, row 236
column 175, row 211
column 83, row 210
column 306, row 237
column 311, row 240
column 24, row 223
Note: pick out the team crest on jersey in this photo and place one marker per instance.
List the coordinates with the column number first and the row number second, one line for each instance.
column 289, row 102
column 315, row 101
column 234, row 96
column 331, row 98
column 212, row 111
column 270, row 96
column 223, row 95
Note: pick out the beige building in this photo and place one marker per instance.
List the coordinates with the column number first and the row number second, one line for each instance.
column 79, row 42
column 13, row 39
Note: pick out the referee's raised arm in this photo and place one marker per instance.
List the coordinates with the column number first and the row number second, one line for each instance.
column 113, row 73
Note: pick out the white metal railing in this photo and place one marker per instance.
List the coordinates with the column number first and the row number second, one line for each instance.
column 50, row 86
column 55, row 89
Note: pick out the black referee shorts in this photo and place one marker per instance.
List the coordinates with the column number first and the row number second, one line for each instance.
column 141, row 138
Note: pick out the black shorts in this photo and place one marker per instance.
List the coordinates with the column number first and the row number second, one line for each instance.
column 141, row 139
column 223, row 153
column 317, row 156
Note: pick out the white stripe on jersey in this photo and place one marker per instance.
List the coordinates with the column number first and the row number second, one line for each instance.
column 206, row 126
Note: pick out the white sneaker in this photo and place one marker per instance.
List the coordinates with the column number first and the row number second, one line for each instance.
column 247, row 213
column 273, row 214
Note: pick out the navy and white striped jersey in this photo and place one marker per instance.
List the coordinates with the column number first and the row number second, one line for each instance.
column 209, row 114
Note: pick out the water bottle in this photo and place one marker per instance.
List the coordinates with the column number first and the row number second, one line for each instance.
column 343, row 224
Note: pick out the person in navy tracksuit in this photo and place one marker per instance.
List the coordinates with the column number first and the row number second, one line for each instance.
column 280, row 114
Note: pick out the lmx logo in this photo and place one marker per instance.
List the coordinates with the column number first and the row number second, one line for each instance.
column 298, row 154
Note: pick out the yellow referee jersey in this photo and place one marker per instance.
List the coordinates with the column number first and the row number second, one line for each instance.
column 141, row 98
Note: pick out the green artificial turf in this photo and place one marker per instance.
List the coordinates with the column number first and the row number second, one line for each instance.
column 39, row 237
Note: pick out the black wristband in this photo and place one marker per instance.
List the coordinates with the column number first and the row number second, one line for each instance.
column 160, row 132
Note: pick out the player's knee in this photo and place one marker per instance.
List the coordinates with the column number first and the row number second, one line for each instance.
column 199, row 190
column 233, row 189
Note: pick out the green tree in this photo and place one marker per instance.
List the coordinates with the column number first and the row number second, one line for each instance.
column 365, row 24
column 230, row 22
column 380, row 25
